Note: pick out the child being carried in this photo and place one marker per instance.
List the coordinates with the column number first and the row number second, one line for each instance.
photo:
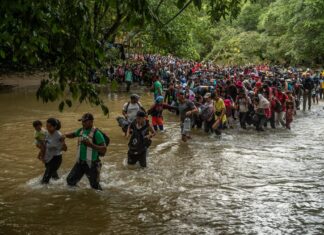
column 40, row 134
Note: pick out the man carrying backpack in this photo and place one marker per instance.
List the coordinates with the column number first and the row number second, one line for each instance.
column 140, row 133
column 308, row 86
column 92, row 143
column 130, row 110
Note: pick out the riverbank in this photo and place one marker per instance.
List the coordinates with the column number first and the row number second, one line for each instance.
column 21, row 80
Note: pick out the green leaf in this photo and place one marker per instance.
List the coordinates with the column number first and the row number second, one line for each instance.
column 198, row 3
column 68, row 102
column 104, row 109
column 61, row 106
column 2, row 54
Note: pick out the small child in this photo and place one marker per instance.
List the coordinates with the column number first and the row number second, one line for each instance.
column 40, row 134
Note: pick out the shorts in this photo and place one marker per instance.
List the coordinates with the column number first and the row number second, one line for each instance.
column 157, row 121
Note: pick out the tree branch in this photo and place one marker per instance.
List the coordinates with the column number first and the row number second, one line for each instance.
column 115, row 25
column 181, row 10
column 158, row 6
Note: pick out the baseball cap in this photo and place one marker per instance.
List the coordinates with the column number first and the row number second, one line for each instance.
column 86, row 117
column 134, row 96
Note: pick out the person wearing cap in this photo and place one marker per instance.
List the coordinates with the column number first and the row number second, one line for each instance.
column 91, row 144
column 131, row 108
column 140, row 133
column 186, row 109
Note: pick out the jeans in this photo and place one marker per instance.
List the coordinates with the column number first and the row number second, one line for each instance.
column 307, row 96
column 272, row 120
column 260, row 121
column 128, row 85
column 80, row 168
column 208, row 125
column 51, row 168
column 242, row 117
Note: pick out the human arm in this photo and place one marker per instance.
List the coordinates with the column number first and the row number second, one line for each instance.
column 124, row 111
column 70, row 135
column 151, row 134
column 97, row 144
column 128, row 131
column 124, row 114
column 166, row 96
column 166, row 106
column 42, row 150
column 149, row 112
column 64, row 147
column 160, row 90
column 192, row 111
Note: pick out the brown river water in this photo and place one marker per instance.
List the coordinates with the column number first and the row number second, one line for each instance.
column 245, row 183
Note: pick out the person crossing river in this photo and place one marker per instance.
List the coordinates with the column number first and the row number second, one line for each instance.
column 129, row 111
column 92, row 144
column 140, row 133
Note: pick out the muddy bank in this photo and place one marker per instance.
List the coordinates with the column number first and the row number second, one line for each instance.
column 20, row 80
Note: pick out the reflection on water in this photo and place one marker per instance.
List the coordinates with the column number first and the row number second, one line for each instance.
column 245, row 183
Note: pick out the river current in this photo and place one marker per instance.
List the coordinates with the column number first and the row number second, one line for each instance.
column 244, row 183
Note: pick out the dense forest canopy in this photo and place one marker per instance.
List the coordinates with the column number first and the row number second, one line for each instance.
column 71, row 37
column 273, row 31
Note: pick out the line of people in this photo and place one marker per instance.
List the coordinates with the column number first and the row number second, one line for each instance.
column 91, row 145
column 204, row 96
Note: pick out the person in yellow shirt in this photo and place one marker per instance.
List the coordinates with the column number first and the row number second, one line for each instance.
column 321, row 88
column 220, row 114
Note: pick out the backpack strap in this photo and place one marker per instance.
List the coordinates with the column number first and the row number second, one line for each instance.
column 126, row 108
column 139, row 105
column 80, row 136
column 94, row 135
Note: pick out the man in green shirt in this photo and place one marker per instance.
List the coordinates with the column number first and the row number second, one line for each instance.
column 157, row 88
column 128, row 78
column 91, row 144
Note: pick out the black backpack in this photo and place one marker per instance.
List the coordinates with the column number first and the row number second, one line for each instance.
column 138, row 143
column 309, row 84
column 106, row 138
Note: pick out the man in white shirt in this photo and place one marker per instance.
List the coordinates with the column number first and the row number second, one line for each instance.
column 131, row 108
